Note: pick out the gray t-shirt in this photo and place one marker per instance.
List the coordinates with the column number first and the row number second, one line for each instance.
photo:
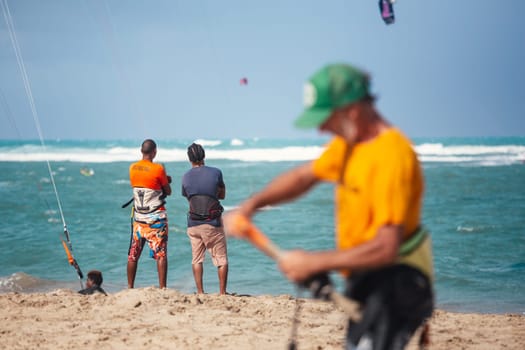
column 201, row 182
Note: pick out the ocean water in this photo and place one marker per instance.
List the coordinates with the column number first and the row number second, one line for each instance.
column 474, row 206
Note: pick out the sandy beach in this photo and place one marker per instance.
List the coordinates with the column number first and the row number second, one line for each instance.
column 148, row 318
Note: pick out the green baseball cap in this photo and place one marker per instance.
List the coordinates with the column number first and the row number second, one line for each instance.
column 332, row 87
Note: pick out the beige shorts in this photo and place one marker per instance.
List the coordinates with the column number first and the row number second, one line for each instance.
column 207, row 237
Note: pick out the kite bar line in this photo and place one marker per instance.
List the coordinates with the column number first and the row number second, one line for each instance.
column 68, row 248
column 27, row 86
column 239, row 226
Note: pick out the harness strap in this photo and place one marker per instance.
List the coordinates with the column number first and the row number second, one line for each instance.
column 204, row 208
column 413, row 242
column 147, row 200
column 417, row 252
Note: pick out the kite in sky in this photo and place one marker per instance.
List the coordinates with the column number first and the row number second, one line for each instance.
column 386, row 9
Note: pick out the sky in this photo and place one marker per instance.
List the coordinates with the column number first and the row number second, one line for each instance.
column 111, row 69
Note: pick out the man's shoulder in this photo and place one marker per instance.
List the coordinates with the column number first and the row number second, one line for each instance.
column 187, row 173
column 394, row 140
column 213, row 169
column 203, row 169
column 140, row 164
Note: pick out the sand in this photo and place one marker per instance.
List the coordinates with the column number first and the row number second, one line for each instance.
column 148, row 318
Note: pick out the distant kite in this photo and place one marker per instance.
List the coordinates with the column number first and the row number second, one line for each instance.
column 386, row 9
column 243, row 81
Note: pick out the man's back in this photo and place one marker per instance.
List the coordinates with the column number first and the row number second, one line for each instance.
column 201, row 185
column 147, row 174
column 203, row 180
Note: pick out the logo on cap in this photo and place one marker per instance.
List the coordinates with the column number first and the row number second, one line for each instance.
column 309, row 95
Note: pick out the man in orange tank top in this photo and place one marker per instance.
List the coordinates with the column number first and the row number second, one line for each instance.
column 150, row 186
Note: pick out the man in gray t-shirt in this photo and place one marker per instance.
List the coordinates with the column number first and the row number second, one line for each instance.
column 203, row 186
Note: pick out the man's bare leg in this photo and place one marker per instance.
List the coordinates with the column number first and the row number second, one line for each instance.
column 197, row 275
column 223, row 278
column 132, row 272
column 162, row 269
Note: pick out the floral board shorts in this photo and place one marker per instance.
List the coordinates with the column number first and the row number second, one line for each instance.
column 155, row 233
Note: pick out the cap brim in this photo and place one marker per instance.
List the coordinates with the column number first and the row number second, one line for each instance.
column 312, row 118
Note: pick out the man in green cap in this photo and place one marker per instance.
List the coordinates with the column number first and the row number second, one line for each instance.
column 382, row 249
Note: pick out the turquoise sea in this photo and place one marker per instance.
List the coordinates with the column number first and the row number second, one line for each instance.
column 474, row 206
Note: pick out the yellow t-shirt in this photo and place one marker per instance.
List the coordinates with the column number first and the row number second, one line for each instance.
column 378, row 182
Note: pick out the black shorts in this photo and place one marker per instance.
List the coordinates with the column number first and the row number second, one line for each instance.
column 396, row 300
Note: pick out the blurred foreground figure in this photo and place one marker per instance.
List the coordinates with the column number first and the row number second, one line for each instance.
column 382, row 248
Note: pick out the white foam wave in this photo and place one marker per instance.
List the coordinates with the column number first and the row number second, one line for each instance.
column 267, row 154
column 237, row 151
column 121, row 182
column 22, row 282
column 209, row 143
column 472, row 154
column 122, row 154
column 486, row 161
column 440, row 149
column 236, row 142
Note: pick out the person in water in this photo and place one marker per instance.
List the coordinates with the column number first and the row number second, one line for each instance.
column 93, row 283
